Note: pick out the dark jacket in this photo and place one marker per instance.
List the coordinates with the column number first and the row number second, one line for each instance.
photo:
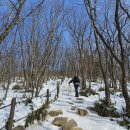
column 75, row 80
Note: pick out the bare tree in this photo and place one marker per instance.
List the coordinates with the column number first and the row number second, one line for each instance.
column 122, row 59
column 13, row 17
column 78, row 28
column 39, row 49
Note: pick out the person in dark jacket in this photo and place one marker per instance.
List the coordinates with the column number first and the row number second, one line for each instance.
column 76, row 82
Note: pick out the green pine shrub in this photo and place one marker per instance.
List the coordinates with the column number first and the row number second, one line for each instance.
column 16, row 87
column 37, row 115
column 103, row 110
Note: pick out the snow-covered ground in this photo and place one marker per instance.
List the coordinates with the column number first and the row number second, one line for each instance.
column 21, row 110
column 64, row 103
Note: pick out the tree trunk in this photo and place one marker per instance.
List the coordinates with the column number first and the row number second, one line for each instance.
column 124, row 89
column 83, row 77
column 123, row 58
column 114, row 85
column 7, row 89
column 107, row 92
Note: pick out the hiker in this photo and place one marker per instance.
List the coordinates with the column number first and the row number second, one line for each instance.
column 76, row 82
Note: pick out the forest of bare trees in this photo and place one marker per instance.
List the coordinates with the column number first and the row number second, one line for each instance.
column 34, row 45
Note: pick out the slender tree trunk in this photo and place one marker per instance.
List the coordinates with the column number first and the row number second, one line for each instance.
column 112, row 74
column 123, row 59
column 7, row 89
column 82, row 69
column 124, row 88
column 107, row 92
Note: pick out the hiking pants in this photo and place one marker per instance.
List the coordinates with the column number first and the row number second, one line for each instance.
column 76, row 90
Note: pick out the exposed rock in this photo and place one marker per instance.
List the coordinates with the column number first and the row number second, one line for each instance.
column 79, row 98
column 82, row 112
column 59, row 121
column 69, row 125
column 19, row 128
column 73, row 108
column 71, row 103
column 90, row 108
column 55, row 113
column 79, row 101
column 76, row 128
